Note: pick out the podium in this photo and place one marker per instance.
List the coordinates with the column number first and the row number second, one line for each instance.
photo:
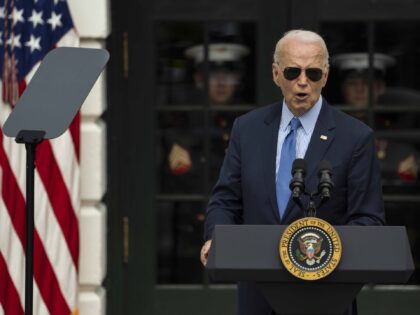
column 371, row 254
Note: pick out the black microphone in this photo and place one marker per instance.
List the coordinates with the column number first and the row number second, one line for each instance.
column 297, row 183
column 326, row 183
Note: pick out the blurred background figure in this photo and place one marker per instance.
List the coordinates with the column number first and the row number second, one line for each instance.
column 225, row 70
column 399, row 160
column 354, row 71
column 202, row 88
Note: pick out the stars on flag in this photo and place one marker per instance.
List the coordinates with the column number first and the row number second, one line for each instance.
column 36, row 18
column 29, row 29
column 34, row 43
column 55, row 20
column 16, row 16
column 14, row 41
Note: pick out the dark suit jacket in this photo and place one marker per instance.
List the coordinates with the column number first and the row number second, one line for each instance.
column 246, row 191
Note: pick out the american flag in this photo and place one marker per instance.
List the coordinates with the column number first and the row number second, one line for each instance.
column 29, row 29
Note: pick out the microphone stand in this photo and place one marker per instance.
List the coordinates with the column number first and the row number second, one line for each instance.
column 297, row 185
column 296, row 199
column 310, row 210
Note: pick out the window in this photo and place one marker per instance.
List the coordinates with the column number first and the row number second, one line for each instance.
column 205, row 78
column 373, row 77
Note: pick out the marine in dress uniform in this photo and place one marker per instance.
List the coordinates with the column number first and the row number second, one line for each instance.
column 183, row 157
column 399, row 160
column 225, row 72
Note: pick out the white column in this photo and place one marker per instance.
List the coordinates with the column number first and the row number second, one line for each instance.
column 91, row 19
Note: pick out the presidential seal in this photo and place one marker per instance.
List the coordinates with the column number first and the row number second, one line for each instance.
column 310, row 248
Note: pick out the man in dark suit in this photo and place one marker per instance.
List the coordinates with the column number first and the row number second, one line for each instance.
column 249, row 189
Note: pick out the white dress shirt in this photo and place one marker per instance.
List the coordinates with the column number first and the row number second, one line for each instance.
column 304, row 132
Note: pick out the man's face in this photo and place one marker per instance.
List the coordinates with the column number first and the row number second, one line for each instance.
column 301, row 93
column 356, row 91
column 222, row 86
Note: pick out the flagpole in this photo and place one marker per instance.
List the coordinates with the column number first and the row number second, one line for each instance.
column 31, row 138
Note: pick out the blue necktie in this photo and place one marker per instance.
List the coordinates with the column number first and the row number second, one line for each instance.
column 288, row 155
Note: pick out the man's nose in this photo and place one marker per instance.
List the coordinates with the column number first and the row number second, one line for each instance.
column 363, row 86
column 302, row 78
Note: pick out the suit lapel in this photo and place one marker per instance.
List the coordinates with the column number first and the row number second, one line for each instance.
column 269, row 152
column 322, row 137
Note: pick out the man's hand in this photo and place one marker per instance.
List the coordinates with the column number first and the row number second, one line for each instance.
column 179, row 160
column 205, row 252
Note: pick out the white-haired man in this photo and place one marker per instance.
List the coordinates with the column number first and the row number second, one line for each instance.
column 253, row 183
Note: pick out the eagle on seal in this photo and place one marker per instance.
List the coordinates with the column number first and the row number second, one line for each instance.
column 310, row 248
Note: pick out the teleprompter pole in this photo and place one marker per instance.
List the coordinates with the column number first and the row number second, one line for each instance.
column 31, row 139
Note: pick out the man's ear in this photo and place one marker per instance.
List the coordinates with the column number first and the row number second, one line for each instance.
column 325, row 77
column 276, row 73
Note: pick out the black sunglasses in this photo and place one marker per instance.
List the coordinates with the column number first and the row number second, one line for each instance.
column 313, row 74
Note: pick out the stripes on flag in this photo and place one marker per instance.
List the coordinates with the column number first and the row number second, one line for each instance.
column 57, row 177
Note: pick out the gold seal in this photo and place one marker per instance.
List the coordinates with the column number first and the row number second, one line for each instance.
column 310, row 248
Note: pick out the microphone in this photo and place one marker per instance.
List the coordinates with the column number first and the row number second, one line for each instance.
column 326, row 183
column 297, row 183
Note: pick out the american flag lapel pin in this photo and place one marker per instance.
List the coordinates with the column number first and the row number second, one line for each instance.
column 323, row 137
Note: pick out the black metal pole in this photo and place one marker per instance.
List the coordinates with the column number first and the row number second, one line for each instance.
column 311, row 212
column 30, row 191
column 31, row 138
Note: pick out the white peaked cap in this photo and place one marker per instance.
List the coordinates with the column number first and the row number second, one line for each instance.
column 222, row 52
column 360, row 61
